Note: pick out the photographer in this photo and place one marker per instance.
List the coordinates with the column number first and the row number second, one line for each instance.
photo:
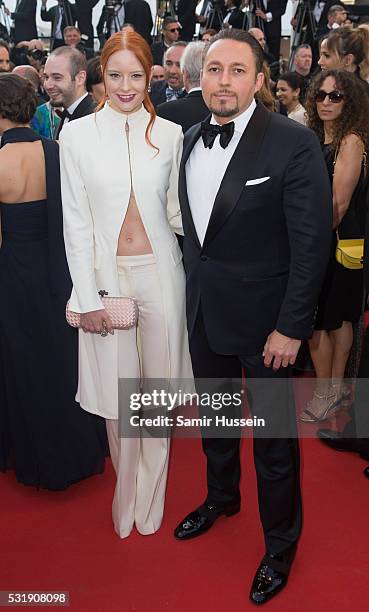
column 73, row 38
column 62, row 15
column 212, row 15
column 138, row 13
column 24, row 18
column 111, row 20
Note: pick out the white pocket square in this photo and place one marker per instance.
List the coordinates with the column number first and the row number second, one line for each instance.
column 257, row 181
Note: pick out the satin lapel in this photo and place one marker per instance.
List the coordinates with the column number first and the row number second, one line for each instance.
column 189, row 144
column 242, row 166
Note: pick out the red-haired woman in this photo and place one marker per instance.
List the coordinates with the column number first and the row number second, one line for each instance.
column 120, row 205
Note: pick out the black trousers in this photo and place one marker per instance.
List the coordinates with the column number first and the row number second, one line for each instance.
column 277, row 460
column 358, row 427
column 273, row 38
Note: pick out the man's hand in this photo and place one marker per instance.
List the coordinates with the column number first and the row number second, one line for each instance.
column 279, row 350
column 96, row 322
column 6, row 11
column 261, row 14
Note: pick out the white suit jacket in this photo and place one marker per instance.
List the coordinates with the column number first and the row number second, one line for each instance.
column 95, row 179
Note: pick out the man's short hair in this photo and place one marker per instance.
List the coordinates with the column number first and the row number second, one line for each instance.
column 336, row 8
column 94, row 74
column 77, row 60
column 301, row 47
column 18, row 101
column 4, row 44
column 243, row 37
column 69, row 28
column 30, row 73
column 179, row 43
column 191, row 61
column 167, row 21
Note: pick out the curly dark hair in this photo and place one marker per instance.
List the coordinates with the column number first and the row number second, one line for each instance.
column 18, row 100
column 354, row 117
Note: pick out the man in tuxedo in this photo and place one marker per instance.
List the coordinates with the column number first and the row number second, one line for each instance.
column 172, row 87
column 191, row 109
column 272, row 21
column 62, row 15
column 334, row 17
column 65, row 83
column 257, row 221
column 234, row 17
column 138, row 13
column 24, row 18
column 170, row 33
column 303, row 63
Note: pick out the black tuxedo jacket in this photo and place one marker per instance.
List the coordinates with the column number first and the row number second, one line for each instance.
column 158, row 50
column 138, row 13
column 25, row 20
column 236, row 19
column 186, row 111
column 52, row 14
column 187, row 18
column 277, row 8
column 267, row 245
column 157, row 93
column 85, row 107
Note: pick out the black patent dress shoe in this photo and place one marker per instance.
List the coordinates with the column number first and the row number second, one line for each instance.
column 268, row 581
column 201, row 520
column 366, row 472
column 337, row 441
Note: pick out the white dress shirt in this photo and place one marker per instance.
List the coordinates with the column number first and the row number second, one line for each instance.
column 73, row 106
column 205, row 169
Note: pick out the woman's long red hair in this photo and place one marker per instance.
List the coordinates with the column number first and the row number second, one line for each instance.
column 132, row 41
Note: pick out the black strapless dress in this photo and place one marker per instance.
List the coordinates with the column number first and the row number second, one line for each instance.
column 45, row 435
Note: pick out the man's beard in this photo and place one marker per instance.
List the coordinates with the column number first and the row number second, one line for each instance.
column 224, row 112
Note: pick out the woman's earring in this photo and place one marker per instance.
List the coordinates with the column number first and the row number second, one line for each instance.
column 149, row 89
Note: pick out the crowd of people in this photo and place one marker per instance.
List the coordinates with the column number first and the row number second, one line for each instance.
column 190, row 176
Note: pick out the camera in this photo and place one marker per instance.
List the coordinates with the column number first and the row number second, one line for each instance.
column 111, row 4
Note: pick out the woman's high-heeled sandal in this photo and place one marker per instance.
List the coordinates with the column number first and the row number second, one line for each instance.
column 330, row 402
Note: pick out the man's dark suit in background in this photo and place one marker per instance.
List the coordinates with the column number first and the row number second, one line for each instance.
column 187, row 18
column 69, row 17
column 185, row 112
column 84, row 19
column 138, row 13
column 85, row 107
column 273, row 28
column 24, row 20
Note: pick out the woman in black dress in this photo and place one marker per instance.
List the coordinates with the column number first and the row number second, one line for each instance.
column 44, row 434
column 338, row 112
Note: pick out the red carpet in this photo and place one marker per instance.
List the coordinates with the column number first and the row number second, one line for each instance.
column 65, row 541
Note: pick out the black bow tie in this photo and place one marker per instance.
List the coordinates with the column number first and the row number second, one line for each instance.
column 65, row 114
column 209, row 132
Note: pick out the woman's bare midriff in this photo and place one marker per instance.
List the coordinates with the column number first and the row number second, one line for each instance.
column 133, row 239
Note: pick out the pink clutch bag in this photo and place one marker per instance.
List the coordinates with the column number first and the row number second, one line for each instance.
column 122, row 311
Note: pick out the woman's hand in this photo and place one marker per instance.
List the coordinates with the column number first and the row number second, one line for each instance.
column 96, row 322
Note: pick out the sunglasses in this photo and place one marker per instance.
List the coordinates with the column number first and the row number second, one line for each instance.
column 174, row 30
column 334, row 96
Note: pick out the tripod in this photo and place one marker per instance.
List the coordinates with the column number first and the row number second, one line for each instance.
column 305, row 29
column 214, row 13
column 258, row 21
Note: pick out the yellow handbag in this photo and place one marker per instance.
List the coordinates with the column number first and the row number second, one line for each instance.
column 350, row 253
